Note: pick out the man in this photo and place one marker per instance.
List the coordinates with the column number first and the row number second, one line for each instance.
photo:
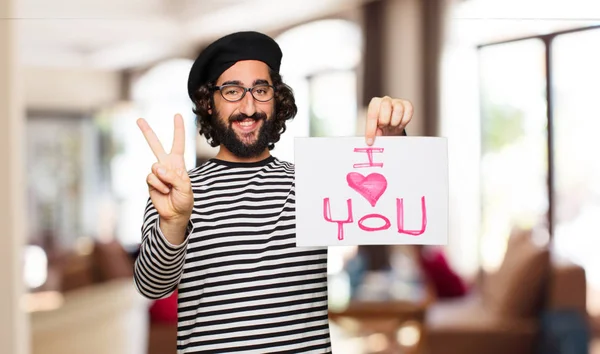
column 223, row 234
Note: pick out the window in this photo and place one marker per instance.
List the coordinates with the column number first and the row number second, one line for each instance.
column 62, row 181
column 323, row 74
column 514, row 143
column 333, row 103
column 536, row 93
column 575, row 78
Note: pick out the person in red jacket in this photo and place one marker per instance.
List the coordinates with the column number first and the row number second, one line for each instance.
column 445, row 280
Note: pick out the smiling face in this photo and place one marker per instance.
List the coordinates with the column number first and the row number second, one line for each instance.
column 243, row 126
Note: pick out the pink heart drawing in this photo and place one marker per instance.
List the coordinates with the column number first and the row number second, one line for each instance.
column 370, row 187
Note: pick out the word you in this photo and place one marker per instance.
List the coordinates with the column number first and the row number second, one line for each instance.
column 372, row 187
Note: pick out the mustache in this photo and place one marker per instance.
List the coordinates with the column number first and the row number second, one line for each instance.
column 240, row 117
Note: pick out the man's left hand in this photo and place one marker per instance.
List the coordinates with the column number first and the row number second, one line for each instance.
column 387, row 116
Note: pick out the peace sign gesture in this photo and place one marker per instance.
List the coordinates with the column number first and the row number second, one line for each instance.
column 169, row 184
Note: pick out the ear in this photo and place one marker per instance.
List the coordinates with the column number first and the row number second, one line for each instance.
column 210, row 105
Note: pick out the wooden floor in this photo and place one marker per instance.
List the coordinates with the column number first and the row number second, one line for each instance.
column 108, row 318
column 111, row 319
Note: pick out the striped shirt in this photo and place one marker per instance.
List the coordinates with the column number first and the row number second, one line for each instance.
column 243, row 285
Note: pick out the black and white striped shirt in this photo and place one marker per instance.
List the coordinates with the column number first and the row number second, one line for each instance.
column 244, row 286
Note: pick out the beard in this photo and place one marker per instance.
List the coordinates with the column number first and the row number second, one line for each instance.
column 225, row 133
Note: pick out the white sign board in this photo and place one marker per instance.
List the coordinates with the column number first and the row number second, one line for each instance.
column 393, row 192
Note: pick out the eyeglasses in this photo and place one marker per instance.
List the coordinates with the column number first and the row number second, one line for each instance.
column 234, row 93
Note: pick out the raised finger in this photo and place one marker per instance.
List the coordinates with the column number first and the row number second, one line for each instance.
column 178, row 136
column 372, row 115
column 156, row 183
column 152, row 139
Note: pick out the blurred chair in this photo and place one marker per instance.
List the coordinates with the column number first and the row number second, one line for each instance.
column 72, row 270
column 502, row 313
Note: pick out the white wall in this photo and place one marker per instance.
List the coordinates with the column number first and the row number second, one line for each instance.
column 69, row 89
column 13, row 322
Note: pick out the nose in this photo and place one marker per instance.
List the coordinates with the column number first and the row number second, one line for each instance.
column 248, row 106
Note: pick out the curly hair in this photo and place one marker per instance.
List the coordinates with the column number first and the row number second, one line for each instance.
column 285, row 109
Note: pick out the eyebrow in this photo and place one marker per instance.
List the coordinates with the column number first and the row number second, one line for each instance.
column 238, row 82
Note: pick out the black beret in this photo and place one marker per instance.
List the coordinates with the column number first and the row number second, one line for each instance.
column 226, row 51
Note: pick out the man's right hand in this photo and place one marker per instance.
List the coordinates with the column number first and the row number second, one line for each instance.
column 169, row 184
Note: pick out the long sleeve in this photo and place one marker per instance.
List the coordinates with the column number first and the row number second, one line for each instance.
column 159, row 265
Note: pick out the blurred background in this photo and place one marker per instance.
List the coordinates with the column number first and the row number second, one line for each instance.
column 511, row 84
